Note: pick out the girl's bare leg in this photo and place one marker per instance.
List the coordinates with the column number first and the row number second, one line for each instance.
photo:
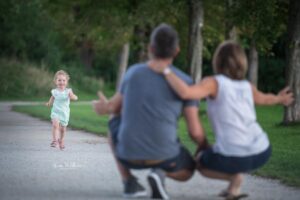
column 63, row 130
column 55, row 129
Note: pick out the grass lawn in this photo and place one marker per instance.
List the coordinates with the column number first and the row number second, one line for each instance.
column 283, row 165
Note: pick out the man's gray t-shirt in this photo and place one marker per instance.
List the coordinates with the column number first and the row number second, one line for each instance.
column 150, row 111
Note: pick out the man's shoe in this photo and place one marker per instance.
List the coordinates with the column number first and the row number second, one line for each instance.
column 156, row 180
column 132, row 189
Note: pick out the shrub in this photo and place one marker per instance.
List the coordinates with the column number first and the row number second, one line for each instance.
column 19, row 80
column 27, row 81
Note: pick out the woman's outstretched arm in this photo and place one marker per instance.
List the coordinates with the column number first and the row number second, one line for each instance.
column 206, row 88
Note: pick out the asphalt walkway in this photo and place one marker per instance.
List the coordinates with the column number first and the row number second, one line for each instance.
column 30, row 169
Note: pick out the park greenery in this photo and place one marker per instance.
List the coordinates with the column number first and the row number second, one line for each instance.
column 86, row 37
column 283, row 165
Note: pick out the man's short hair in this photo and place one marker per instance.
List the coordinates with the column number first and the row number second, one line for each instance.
column 164, row 41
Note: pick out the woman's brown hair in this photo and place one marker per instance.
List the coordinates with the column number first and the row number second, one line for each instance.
column 230, row 59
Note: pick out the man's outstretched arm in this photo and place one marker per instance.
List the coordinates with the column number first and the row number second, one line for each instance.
column 103, row 106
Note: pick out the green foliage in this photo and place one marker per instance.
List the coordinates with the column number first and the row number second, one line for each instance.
column 54, row 33
column 23, row 80
column 271, row 74
column 26, row 31
column 27, row 81
column 214, row 27
column 261, row 21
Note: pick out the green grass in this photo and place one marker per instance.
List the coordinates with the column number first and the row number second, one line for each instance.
column 285, row 161
column 283, row 165
column 82, row 117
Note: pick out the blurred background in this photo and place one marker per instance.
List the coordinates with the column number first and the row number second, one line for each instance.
column 90, row 39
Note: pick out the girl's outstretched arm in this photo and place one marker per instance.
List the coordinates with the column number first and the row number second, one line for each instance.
column 208, row 87
column 284, row 97
column 72, row 96
column 50, row 102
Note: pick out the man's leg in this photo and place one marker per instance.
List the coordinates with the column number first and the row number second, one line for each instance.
column 182, row 175
column 131, row 186
column 180, row 168
column 124, row 172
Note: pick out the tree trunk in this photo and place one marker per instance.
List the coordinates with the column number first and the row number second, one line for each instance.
column 195, row 39
column 292, row 113
column 253, row 64
column 123, row 64
column 141, row 40
column 230, row 29
column 87, row 54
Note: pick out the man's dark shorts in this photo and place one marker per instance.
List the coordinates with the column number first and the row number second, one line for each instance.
column 232, row 164
column 180, row 162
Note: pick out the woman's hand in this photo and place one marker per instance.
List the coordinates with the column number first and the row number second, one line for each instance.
column 285, row 96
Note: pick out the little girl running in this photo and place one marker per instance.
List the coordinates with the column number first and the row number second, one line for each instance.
column 241, row 145
column 60, row 112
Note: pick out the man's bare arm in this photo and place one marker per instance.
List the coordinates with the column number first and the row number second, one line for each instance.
column 194, row 125
column 103, row 106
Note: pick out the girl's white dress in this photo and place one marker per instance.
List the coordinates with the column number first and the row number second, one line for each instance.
column 61, row 106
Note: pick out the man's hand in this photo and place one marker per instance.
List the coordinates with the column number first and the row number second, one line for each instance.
column 201, row 147
column 101, row 106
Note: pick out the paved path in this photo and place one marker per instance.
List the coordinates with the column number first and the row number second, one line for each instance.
column 30, row 169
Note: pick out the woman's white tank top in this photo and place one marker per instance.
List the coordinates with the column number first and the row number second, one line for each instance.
column 233, row 118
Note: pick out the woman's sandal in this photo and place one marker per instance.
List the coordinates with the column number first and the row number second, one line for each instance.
column 53, row 143
column 61, row 145
column 228, row 196
column 236, row 197
column 223, row 193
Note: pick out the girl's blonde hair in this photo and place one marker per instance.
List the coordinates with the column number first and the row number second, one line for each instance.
column 61, row 72
column 230, row 59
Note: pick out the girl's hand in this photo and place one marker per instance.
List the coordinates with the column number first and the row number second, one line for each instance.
column 48, row 104
column 286, row 96
column 72, row 96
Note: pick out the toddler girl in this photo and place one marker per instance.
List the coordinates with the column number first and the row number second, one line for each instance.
column 241, row 144
column 60, row 112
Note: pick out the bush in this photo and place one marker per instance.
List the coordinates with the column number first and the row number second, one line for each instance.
column 271, row 75
column 19, row 80
column 27, row 81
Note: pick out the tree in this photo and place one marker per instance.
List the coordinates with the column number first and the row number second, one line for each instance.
column 230, row 29
column 259, row 24
column 292, row 113
column 123, row 64
column 27, row 31
column 195, row 38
